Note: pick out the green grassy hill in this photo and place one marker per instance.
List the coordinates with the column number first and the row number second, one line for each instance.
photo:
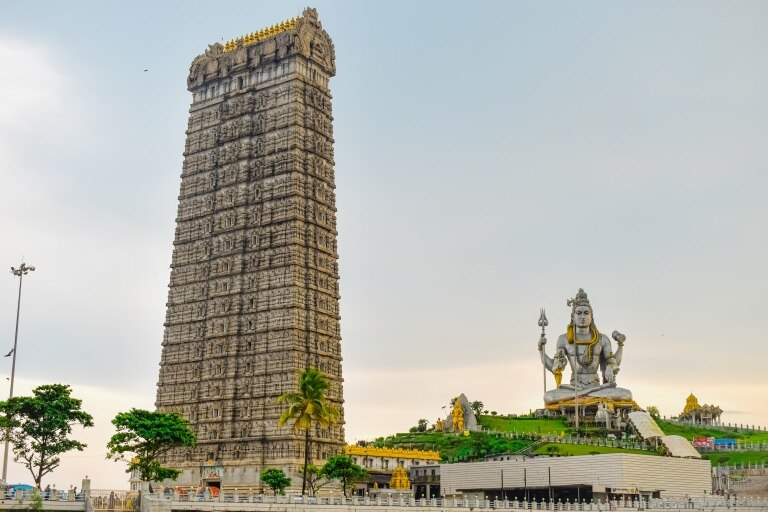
column 726, row 458
column 565, row 450
column 524, row 424
column 455, row 448
column 477, row 445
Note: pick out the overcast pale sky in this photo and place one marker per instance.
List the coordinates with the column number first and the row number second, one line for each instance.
column 491, row 158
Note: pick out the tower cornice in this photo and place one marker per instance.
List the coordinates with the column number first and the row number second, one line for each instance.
column 301, row 36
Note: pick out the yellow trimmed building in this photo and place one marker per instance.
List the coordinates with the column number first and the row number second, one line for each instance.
column 382, row 464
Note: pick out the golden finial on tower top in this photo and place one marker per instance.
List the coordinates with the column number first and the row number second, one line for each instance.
column 262, row 34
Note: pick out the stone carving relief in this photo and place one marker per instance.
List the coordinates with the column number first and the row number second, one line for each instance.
column 241, row 56
column 204, row 65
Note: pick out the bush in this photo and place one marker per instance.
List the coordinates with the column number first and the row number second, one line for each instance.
column 276, row 479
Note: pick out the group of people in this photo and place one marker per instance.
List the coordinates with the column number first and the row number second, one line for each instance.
column 71, row 495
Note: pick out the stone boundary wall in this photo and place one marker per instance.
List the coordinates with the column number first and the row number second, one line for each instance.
column 356, row 504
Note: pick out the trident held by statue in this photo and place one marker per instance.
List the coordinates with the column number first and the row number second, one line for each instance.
column 543, row 323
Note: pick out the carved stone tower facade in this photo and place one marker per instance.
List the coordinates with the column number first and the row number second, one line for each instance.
column 254, row 293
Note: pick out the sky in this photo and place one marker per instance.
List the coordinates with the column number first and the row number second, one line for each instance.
column 491, row 158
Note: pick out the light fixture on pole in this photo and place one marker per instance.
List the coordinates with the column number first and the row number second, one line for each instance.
column 20, row 273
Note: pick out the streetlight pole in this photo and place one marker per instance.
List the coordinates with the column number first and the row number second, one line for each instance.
column 20, row 272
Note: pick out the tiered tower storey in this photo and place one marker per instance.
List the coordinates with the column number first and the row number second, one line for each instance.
column 254, row 292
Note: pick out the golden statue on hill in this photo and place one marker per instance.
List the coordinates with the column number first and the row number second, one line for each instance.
column 458, row 416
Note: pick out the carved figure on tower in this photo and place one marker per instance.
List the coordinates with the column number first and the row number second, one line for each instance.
column 589, row 353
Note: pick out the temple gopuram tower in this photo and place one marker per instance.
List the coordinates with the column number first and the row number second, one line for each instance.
column 254, row 292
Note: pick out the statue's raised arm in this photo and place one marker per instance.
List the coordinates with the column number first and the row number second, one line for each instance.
column 619, row 339
column 545, row 359
column 555, row 364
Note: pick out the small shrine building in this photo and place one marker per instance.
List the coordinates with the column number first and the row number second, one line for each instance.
column 700, row 414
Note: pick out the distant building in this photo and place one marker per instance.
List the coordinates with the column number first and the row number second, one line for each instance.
column 699, row 414
column 578, row 478
column 382, row 462
column 425, row 481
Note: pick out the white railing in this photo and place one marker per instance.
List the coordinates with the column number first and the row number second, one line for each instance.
column 51, row 495
column 736, row 447
column 758, row 467
column 631, row 444
column 736, row 427
column 600, row 441
column 182, row 502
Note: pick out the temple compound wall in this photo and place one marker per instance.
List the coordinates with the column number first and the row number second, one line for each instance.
column 254, row 291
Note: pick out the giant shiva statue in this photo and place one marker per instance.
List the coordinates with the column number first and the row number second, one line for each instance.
column 593, row 362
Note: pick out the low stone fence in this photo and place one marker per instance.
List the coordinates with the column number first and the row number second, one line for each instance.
column 262, row 503
column 751, row 468
column 736, row 447
column 736, row 427
column 52, row 495
column 629, row 444
column 62, row 501
column 599, row 441
column 632, row 444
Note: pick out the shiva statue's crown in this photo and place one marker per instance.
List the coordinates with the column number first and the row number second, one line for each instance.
column 579, row 300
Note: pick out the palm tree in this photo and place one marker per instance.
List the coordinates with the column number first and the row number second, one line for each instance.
column 307, row 407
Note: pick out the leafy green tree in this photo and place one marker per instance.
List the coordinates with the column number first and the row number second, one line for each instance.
column 307, row 407
column 276, row 479
column 653, row 411
column 477, row 407
column 38, row 427
column 344, row 469
column 315, row 479
column 147, row 435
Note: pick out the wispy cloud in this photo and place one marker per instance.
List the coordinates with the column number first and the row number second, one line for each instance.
column 33, row 84
column 40, row 122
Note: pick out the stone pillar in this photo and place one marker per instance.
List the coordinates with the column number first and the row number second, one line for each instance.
column 86, row 488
